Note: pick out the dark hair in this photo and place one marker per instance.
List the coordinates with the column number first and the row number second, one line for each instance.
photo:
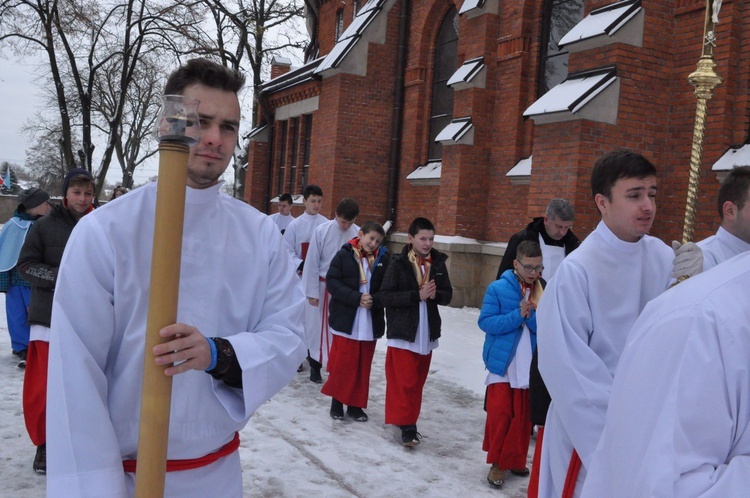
column 734, row 188
column 420, row 224
column 118, row 188
column 617, row 165
column 347, row 209
column 528, row 249
column 311, row 190
column 77, row 176
column 286, row 197
column 560, row 209
column 372, row 226
column 204, row 72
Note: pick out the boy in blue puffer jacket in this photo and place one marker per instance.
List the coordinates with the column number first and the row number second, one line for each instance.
column 508, row 318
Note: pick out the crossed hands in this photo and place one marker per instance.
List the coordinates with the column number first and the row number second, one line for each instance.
column 365, row 301
column 526, row 307
column 428, row 291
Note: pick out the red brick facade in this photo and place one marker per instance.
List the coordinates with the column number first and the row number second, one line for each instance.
column 352, row 123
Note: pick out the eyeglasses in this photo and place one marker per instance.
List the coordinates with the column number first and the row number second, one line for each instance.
column 529, row 268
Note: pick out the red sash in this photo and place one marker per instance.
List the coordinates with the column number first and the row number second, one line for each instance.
column 193, row 463
column 570, row 479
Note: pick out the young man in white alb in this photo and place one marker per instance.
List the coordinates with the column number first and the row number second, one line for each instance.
column 586, row 312
column 733, row 236
column 299, row 231
column 678, row 423
column 284, row 216
column 237, row 341
column 325, row 242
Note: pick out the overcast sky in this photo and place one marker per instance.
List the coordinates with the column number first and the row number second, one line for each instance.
column 20, row 98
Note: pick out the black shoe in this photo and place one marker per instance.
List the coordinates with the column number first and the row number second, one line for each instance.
column 301, row 367
column 357, row 414
column 22, row 359
column 40, row 460
column 409, row 436
column 315, row 375
column 337, row 409
column 315, row 367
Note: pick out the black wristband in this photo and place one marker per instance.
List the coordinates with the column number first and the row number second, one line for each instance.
column 224, row 357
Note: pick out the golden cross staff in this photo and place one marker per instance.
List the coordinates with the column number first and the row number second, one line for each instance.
column 705, row 80
column 177, row 129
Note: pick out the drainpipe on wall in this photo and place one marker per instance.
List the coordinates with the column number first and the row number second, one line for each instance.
column 397, row 116
column 268, row 117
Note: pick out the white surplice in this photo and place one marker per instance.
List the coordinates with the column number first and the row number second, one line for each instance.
column 678, row 423
column 237, row 282
column 583, row 320
column 299, row 232
column 721, row 247
column 552, row 256
column 325, row 242
column 281, row 221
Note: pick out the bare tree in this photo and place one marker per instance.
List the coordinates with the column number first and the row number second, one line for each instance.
column 245, row 35
column 136, row 142
column 44, row 162
column 94, row 46
column 251, row 32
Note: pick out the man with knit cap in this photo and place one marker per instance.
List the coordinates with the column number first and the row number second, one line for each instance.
column 32, row 204
column 39, row 263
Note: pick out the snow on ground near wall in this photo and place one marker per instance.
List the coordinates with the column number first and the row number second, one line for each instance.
column 292, row 448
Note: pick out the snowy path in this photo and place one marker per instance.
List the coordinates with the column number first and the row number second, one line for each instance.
column 292, row 448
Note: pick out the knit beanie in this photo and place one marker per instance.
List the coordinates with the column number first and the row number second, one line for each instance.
column 31, row 198
column 73, row 173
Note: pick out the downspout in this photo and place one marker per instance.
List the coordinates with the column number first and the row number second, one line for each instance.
column 397, row 115
column 269, row 118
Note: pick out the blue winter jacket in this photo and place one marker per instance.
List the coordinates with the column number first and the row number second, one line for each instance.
column 501, row 320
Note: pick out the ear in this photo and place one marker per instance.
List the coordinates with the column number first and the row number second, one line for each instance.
column 729, row 210
column 600, row 200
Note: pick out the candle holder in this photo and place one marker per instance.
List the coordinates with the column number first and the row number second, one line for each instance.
column 178, row 120
column 177, row 129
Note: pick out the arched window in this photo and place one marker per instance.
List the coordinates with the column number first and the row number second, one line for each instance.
column 446, row 62
column 559, row 17
column 339, row 24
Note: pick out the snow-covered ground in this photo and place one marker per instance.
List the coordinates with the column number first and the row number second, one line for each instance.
column 292, row 448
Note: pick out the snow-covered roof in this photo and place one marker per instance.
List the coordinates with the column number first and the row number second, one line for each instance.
column 469, row 5
column 459, row 130
column 573, row 93
column 522, row 167
column 429, row 174
column 282, row 61
column 606, row 22
column 474, row 8
column 297, row 200
column 467, row 71
column 291, row 78
column 258, row 134
column 351, row 36
column 521, row 172
column 732, row 158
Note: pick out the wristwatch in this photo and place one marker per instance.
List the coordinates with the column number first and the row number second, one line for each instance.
column 224, row 357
